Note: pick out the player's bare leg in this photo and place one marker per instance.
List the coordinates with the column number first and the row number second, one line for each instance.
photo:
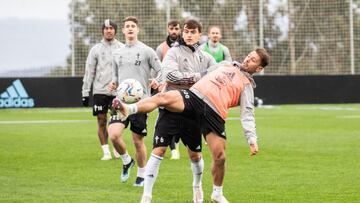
column 217, row 148
column 103, row 136
column 115, row 134
column 171, row 101
column 140, row 158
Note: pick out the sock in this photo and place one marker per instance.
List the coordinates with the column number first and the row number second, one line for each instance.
column 105, row 149
column 197, row 170
column 217, row 190
column 151, row 172
column 140, row 172
column 126, row 158
column 131, row 109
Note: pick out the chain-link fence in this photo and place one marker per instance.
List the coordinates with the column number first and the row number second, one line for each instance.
column 304, row 37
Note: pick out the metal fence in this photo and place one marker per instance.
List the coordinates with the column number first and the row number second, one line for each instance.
column 304, row 37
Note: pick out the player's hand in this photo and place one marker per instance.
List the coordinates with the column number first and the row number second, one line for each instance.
column 254, row 149
column 115, row 103
column 162, row 87
column 85, row 101
column 153, row 83
column 112, row 86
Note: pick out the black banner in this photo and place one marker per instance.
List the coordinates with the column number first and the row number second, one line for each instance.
column 66, row 92
column 40, row 92
column 308, row 89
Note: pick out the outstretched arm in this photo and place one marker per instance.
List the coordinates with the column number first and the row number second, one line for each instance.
column 248, row 118
column 90, row 71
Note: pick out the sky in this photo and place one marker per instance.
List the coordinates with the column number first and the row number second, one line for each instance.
column 33, row 34
column 44, row 9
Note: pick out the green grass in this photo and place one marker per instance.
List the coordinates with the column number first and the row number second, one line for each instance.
column 308, row 153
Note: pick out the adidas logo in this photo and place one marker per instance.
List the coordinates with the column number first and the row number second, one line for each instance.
column 15, row 96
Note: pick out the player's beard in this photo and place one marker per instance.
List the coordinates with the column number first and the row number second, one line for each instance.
column 109, row 37
column 173, row 37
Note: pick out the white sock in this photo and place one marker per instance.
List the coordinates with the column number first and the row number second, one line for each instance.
column 140, row 172
column 217, row 190
column 151, row 172
column 197, row 170
column 126, row 158
column 131, row 109
column 105, row 149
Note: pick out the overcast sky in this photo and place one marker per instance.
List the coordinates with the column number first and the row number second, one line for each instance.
column 33, row 34
column 46, row 9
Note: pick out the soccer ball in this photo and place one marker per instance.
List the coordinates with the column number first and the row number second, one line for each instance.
column 130, row 91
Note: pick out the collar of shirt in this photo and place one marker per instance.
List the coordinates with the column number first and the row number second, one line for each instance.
column 106, row 42
column 127, row 44
column 248, row 75
column 170, row 42
column 193, row 47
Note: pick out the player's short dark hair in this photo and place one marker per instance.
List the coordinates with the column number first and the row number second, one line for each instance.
column 193, row 24
column 131, row 18
column 108, row 23
column 173, row 23
column 264, row 56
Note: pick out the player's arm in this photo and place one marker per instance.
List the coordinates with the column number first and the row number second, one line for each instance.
column 248, row 117
column 172, row 73
column 90, row 70
column 155, row 65
column 115, row 75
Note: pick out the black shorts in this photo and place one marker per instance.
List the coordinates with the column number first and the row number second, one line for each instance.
column 209, row 120
column 169, row 125
column 102, row 103
column 138, row 122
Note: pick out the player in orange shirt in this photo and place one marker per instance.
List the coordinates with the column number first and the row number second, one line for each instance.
column 209, row 100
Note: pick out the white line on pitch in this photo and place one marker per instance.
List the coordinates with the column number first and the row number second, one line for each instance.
column 350, row 116
column 45, row 121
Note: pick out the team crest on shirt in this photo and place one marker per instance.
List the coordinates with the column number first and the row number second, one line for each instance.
column 221, row 80
column 200, row 58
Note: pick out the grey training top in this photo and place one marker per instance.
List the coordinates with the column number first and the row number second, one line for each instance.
column 136, row 61
column 182, row 67
column 98, row 69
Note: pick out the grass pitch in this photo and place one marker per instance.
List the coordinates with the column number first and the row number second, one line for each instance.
column 308, row 153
